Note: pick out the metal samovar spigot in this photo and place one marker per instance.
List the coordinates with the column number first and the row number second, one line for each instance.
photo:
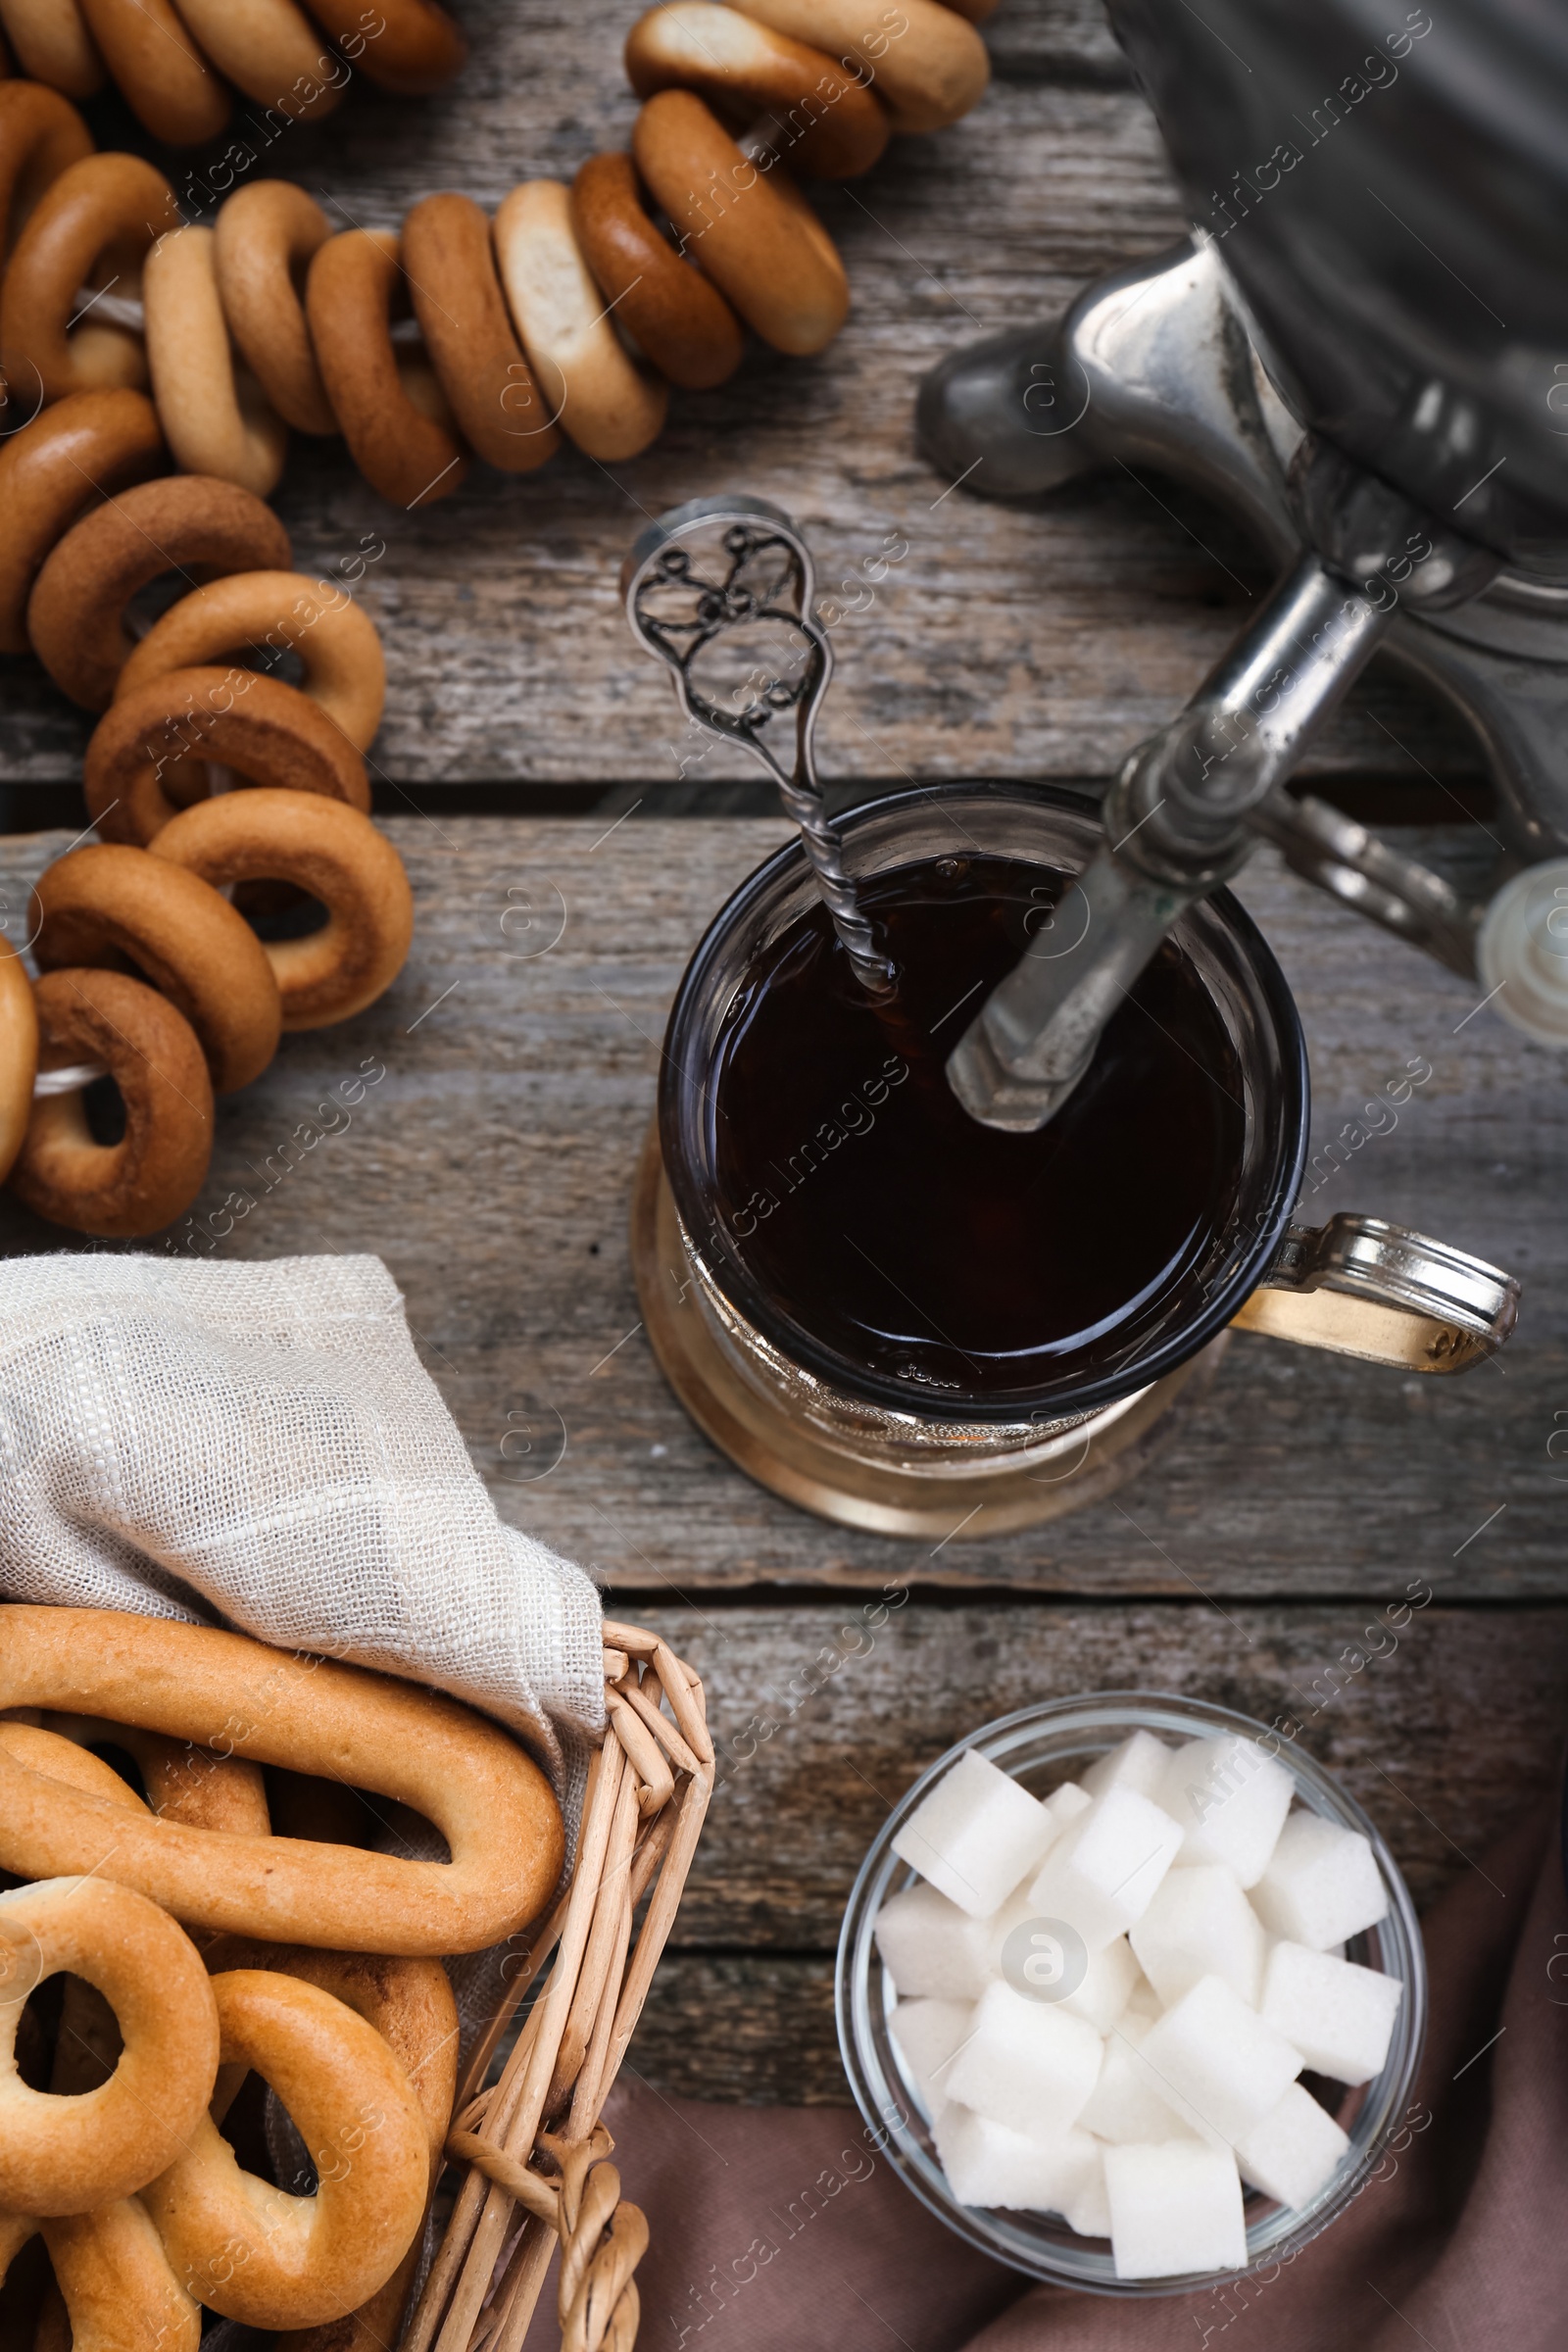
column 1189, row 805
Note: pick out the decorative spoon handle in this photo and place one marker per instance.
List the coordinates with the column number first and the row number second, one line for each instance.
column 761, row 580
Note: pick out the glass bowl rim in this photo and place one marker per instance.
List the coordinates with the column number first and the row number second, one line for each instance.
column 894, row 2139
column 1222, row 1303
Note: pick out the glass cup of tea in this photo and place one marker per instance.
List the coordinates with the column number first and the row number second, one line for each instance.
column 890, row 1313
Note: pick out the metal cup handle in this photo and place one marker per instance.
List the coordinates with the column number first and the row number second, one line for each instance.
column 1361, row 1287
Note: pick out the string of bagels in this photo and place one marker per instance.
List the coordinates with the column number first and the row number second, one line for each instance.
column 152, row 373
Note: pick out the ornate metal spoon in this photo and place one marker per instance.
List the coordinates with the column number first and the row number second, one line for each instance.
column 764, row 576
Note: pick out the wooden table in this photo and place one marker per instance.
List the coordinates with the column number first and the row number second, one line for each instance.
column 510, row 1073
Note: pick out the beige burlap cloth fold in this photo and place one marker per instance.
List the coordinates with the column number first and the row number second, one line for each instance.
column 257, row 1445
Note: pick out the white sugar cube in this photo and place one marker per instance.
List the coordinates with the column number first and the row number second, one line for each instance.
column 1201, row 1924
column 1339, row 2015
column 1216, row 2062
column 988, row 2164
column 1125, row 2104
column 1027, row 2064
column 1138, row 1763
column 1292, row 2150
column 975, row 1834
column 1231, row 1800
column 1174, row 2208
column 1322, row 1886
column 1088, row 2210
column 1064, row 1805
column 1143, row 2001
column 930, row 1948
column 928, row 2034
column 1100, row 1877
column 1108, row 1979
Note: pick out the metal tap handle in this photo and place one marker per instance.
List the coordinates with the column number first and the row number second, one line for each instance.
column 765, row 575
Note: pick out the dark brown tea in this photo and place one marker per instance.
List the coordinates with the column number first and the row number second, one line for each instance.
column 880, row 1218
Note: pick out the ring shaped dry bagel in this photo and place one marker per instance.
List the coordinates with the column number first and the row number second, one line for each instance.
column 181, row 1783
column 266, row 235
column 188, row 523
column 120, row 2295
column 152, row 1175
column 161, row 73
column 212, row 411
column 99, row 904
column 611, row 407
column 417, row 49
column 66, row 2156
column 490, row 1802
column 266, row 732
column 926, row 62
column 62, row 1759
column 271, row 50
column 463, row 315
column 86, row 446
column 92, row 228
column 41, row 135
column 19, row 1054
column 410, row 2005
column 309, row 2258
column 749, row 229
column 388, row 405
column 271, row 614
column 829, row 124
column 683, row 324
column 53, row 45
column 327, row 850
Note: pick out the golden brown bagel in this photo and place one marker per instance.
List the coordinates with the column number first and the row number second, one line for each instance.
column 610, row 407
column 310, row 2259
column 104, row 903
column 19, row 1054
column 119, row 2292
column 463, row 316
column 215, row 416
column 683, row 324
column 152, row 1175
column 53, row 44
column 266, row 732
column 749, row 230
column 388, row 404
column 926, row 62
column 186, row 523
column 271, row 50
column 266, row 233
column 489, row 1801
column 410, row 2005
column 84, row 449
column 59, row 2156
column 266, row 614
column 91, row 226
column 828, row 125
column 181, row 1783
column 336, row 855
column 41, row 135
column 417, row 49
column 160, row 70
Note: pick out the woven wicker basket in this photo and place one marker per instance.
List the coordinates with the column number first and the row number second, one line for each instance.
column 538, row 2171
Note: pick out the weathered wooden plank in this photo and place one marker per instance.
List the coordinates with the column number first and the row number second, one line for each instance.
column 1038, row 639
column 492, row 1164
column 1446, row 1742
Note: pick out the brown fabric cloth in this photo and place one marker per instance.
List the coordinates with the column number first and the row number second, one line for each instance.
column 777, row 2229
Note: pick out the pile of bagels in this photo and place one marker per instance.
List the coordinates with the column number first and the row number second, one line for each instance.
column 572, row 312
column 148, row 970
column 169, row 1948
column 173, row 60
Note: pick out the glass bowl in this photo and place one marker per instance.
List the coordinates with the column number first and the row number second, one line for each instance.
column 1042, row 1747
